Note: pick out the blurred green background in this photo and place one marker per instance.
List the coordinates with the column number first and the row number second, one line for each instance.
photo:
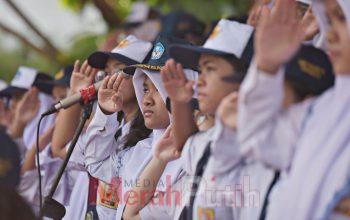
column 84, row 43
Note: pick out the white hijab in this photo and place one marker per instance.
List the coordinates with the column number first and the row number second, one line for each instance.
column 320, row 14
column 173, row 168
column 29, row 134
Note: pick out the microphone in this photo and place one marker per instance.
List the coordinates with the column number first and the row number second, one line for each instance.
column 84, row 95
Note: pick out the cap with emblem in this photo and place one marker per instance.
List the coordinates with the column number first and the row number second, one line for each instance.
column 25, row 78
column 159, row 56
column 9, row 162
column 310, row 71
column 62, row 78
column 219, row 43
column 130, row 51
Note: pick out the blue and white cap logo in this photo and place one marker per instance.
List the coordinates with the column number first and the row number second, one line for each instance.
column 157, row 51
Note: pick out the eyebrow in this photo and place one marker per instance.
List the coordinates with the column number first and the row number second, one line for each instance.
column 206, row 62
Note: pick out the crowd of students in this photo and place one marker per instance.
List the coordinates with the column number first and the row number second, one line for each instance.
column 249, row 121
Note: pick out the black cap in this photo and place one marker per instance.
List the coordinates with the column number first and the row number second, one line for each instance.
column 42, row 82
column 62, row 78
column 9, row 162
column 180, row 23
column 99, row 59
column 310, row 70
column 159, row 55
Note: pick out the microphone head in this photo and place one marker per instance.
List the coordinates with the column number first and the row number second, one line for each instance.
column 100, row 76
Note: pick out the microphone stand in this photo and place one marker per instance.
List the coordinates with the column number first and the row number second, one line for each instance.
column 52, row 208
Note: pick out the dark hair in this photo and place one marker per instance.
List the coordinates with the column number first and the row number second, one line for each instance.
column 300, row 89
column 240, row 67
column 138, row 131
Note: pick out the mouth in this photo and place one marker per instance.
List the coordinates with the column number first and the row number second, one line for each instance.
column 201, row 95
column 147, row 113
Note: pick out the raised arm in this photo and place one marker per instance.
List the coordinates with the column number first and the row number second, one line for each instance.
column 180, row 91
column 68, row 119
column 101, row 158
column 264, row 127
column 26, row 110
column 165, row 151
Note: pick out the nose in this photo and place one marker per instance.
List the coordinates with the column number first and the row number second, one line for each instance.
column 331, row 36
column 201, row 80
column 148, row 100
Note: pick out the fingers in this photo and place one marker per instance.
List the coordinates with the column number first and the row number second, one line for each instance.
column 76, row 66
column 265, row 16
column 172, row 69
column 189, row 85
column 163, row 72
column 84, row 67
column 92, row 75
column 179, row 73
column 117, row 82
column 105, row 82
column 111, row 81
column 167, row 132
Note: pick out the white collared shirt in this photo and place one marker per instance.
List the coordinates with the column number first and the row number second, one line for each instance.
column 309, row 140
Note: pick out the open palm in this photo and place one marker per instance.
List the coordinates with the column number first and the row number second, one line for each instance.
column 178, row 87
column 278, row 36
column 28, row 107
column 166, row 148
column 109, row 99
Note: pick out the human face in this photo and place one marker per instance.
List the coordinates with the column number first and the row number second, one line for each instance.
column 59, row 93
column 338, row 38
column 211, row 88
column 153, row 107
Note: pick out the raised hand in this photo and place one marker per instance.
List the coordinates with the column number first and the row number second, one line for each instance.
column 278, row 36
column 179, row 88
column 166, row 149
column 82, row 76
column 310, row 25
column 109, row 99
column 254, row 16
column 28, row 107
column 227, row 110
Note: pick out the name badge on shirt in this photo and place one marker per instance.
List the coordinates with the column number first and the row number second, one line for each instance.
column 205, row 214
column 108, row 195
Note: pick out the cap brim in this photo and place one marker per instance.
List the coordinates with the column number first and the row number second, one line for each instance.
column 189, row 56
column 54, row 83
column 11, row 90
column 99, row 59
column 131, row 69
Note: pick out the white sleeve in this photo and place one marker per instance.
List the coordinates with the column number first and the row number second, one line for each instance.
column 100, row 150
column 265, row 129
column 224, row 149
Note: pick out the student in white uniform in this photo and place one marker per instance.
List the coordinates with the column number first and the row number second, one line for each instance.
column 309, row 140
column 123, row 167
column 130, row 51
column 308, row 74
column 218, row 59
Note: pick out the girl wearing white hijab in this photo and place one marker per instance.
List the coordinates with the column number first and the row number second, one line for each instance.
column 309, row 140
column 123, row 167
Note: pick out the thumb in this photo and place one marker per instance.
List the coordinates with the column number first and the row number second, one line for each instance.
column 189, row 85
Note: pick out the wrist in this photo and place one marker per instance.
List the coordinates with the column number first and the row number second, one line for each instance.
column 268, row 67
column 160, row 162
column 104, row 111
